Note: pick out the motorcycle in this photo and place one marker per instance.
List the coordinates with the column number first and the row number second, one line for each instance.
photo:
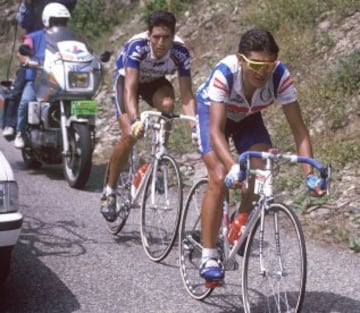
column 61, row 122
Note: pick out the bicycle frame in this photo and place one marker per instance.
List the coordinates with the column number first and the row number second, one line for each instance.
column 264, row 189
column 274, row 259
column 158, row 145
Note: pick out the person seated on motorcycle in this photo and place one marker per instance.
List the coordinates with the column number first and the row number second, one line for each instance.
column 54, row 14
column 228, row 105
column 28, row 16
column 29, row 13
column 12, row 101
column 141, row 68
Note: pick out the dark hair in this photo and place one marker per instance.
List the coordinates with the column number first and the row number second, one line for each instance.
column 161, row 18
column 258, row 39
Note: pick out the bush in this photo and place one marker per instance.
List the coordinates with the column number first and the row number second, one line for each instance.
column 346, row 76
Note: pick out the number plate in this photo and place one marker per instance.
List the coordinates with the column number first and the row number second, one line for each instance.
column 259, row 183
column 84, row 107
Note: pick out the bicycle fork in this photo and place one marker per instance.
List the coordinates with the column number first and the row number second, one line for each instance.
column 263, row 270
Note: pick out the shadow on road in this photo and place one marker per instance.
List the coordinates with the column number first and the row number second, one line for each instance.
column 56, row 172
column 315, row 302
column 33, row 287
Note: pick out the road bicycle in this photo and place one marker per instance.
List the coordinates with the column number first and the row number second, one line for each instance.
column 159, row 193
column 274, row 258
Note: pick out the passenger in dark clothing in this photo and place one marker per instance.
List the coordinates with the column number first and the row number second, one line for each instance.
column 30, row 11
column 29, row 17
column 13, row 98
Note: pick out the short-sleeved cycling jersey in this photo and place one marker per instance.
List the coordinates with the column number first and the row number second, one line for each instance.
column 137, row 53
column 224, row 85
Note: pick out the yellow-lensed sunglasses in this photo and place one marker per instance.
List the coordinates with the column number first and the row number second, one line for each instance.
column 258, row 66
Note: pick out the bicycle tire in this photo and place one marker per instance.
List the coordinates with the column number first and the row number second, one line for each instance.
column 123, row 202
column 275, row 290
column 160, row 220
column 190, row 248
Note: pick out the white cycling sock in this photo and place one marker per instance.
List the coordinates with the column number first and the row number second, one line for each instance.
column 209, row 253
column 109, row 190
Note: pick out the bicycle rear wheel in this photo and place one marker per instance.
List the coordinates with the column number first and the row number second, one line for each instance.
column 275, row 282
column 190, row 247
column 123, row 202
column 161, row 209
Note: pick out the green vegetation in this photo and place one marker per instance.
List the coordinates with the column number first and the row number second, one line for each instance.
column 97, row 18
column 346, row 76
column 175, row 6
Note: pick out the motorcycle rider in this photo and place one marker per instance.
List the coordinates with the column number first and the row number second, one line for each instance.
column 29, row 13
column 54, row 14
column 29, row 18
column 141, row 68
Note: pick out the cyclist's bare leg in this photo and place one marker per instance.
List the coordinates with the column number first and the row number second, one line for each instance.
column 164, row 99
column 211, row 213
column 247, row 194
column 121, row 151
column 211, row 217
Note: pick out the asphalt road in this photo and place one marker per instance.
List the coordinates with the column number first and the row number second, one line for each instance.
column 66, row 261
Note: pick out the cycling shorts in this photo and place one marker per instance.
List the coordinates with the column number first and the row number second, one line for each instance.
column 245, row 133
column 145, row 91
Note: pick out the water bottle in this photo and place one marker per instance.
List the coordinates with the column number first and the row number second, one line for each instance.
column 235, row 227
column 140, row 174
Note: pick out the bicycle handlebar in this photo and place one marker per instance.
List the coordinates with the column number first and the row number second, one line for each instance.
column 168, row 116
column 325, row 171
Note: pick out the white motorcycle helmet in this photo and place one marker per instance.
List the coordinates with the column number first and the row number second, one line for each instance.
column 56, row 10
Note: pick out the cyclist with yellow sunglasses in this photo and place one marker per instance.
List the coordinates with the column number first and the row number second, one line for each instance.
column 229, row 105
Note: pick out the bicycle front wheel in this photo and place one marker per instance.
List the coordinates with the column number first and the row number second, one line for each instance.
column 161, row 208
column 190, row 247
column 274, row 266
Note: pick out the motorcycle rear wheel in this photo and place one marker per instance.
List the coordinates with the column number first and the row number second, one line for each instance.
column 77, row 163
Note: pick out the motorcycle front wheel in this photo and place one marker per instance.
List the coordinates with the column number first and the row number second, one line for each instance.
column 77, row 162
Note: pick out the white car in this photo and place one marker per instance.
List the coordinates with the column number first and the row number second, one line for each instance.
column 10, row 218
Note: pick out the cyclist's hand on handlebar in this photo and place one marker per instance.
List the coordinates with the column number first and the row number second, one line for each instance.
column 316, row 185
column 137, row 128
column 232, row 178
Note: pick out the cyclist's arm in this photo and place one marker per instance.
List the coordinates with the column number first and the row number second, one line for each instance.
column 187, row 97
column 217, row 134
column 300, row 132
column 130, row 93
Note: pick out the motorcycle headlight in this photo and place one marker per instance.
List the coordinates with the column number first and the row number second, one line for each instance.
column 9, row 196
column 79, row 79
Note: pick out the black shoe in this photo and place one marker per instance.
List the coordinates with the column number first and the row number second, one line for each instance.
column 108, row 207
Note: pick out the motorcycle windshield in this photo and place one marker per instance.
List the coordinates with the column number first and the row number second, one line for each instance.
column 70, row 48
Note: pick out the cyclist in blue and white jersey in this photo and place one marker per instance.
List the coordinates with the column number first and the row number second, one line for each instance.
column 142, row 66
column 229, row 104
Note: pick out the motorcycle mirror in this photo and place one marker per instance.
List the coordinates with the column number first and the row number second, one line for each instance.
column 105, row 56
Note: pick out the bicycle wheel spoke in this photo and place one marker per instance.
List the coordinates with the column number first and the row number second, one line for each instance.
column 190, row 245
column 275, row 282
column 161, row 209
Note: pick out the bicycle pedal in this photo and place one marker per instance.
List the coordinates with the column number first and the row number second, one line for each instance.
column 213, row 283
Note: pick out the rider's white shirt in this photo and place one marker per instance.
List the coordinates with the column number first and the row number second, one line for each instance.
column 224, row 85
column 137, row 53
